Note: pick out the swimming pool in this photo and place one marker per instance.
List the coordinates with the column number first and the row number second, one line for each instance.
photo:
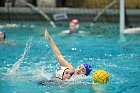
column 102, row 50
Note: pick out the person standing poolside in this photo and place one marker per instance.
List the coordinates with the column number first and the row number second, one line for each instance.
column 73, row 28
column 82, row 69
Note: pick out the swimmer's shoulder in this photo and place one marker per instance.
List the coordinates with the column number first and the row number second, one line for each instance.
column 80, row 32
column 65, row 32
column 7, row 42
column 83, row 32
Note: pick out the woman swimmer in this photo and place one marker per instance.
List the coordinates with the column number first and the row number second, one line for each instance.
column 67, row 70
column 74, row 28
column 2, row 35
column 2, row 38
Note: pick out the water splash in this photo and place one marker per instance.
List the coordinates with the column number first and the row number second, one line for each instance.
column 17, row 64
column 42, row 75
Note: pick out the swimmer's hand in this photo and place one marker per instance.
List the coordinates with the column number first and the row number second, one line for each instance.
column 47, row 35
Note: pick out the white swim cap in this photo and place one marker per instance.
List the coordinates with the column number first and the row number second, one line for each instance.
column 60, row 72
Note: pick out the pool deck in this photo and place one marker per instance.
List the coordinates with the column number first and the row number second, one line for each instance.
column 26, row 13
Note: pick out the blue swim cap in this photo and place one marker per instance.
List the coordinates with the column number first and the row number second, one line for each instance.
column 88, row 69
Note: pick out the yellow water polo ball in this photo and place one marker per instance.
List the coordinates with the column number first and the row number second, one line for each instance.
column 100, row 76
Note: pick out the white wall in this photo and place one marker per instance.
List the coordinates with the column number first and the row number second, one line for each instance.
column 46, row 3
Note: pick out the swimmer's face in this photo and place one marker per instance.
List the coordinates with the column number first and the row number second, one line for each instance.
column 66, row 74
column 73, row 27
column 80, row 70
column 1, row 36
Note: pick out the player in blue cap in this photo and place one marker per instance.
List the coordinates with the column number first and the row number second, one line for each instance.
column 82, row 69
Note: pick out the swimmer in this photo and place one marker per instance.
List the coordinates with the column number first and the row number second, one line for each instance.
column 73, row 28
column 63, row 73
column 2, row 35
column 2, row 38
column 82, row 69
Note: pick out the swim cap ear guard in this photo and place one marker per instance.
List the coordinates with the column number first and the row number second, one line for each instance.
column 60, row 72
column 88, row 69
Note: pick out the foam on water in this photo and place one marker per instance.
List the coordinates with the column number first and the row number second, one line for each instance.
column 17, row 64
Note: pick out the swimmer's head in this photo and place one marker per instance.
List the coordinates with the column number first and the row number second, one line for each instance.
column 63, row 73
column 2, row 35
column 88, row 69
column 74, row 24
column 83, row 69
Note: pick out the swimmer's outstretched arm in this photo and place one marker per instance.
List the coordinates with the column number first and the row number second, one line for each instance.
column 58, row 54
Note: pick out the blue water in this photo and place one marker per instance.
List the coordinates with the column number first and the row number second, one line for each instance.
column 103, row 48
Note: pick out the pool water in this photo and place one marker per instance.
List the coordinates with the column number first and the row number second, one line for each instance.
column 118, row 56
